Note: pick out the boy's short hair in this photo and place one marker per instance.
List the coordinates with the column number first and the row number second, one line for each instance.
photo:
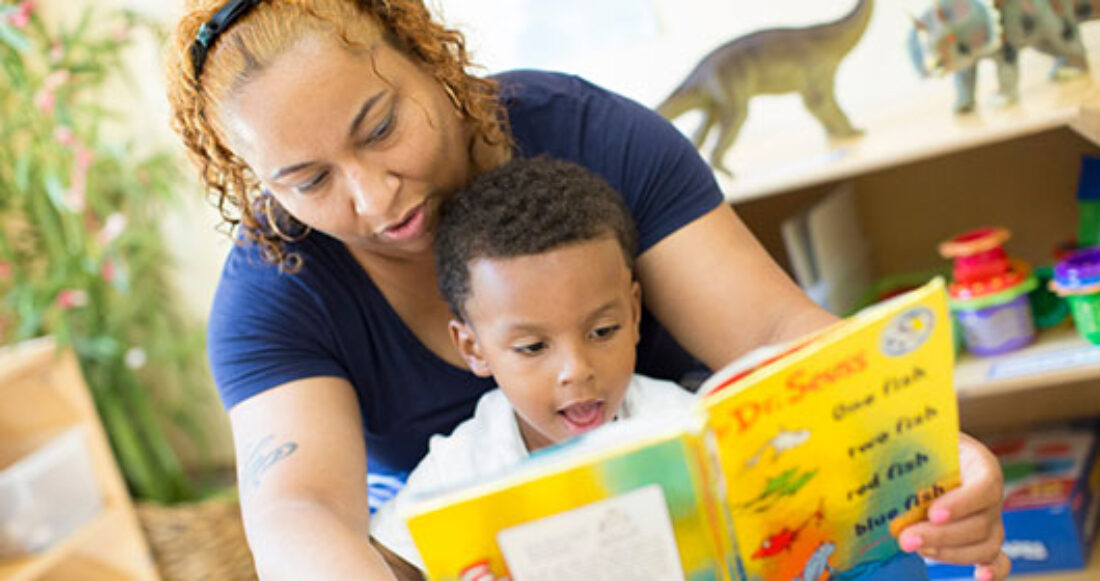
column 527, row 206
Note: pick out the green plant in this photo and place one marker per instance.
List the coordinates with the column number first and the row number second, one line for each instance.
column 81, row 255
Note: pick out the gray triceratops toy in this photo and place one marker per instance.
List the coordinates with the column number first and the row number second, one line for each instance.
column 768, row 62
column 955, row 35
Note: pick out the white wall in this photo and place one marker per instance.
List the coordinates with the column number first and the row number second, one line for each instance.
column 644, row 48
column 640, row 48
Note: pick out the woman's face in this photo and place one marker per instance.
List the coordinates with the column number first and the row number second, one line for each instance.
column 362, row 147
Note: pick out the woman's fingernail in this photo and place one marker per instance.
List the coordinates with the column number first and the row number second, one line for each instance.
column 938, row 516
column 910, row 543
column 983, row 574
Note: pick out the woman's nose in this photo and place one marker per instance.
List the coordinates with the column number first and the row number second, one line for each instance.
column 373, row 190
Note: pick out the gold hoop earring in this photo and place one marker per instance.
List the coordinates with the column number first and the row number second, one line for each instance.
column 449, row 90
column 274, row 224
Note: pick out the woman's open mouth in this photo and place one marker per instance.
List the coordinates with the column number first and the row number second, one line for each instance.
column 413, row 225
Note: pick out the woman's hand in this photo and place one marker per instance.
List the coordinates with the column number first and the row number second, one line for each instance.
column 964, row 526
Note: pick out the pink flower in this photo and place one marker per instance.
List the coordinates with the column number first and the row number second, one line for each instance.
column 107, row 271
column 22, row 17
column 64, row 135
column 45, row 101
column 112, row 229
column 75, row 198
column 5, row 269
column 72, row 298
column 46, row 97
column 83, row 159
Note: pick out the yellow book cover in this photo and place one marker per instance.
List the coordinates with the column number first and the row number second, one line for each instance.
column 632, row 500
column 830, row 447
column 797, row 464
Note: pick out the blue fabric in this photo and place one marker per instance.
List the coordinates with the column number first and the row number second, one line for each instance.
column 903, row 567
column 329, row 319
column 900, row 567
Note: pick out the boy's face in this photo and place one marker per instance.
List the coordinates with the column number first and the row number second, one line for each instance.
column 557, row 331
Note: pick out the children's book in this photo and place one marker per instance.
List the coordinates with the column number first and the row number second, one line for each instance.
column 798, row 462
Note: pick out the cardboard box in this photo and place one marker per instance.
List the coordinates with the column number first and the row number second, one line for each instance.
column 1052, row 480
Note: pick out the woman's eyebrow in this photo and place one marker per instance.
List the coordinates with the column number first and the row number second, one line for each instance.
column 291, row 169
column 355, row 123
column 363, row 111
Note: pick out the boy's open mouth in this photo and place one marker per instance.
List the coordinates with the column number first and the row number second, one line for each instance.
column 582, row 416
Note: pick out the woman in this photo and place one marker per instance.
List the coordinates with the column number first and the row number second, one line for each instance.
column 328, row 131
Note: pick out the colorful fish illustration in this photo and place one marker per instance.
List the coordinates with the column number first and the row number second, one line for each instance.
column 784, row 539
column 479, row 571
column 780, row 443
column 818, row 563
column 781, row 486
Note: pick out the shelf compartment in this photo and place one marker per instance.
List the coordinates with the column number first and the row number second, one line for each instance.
column 33, row 566
column 918, row 127
column 1059, row 356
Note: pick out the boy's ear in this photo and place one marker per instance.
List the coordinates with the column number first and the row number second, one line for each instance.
column 464, row 339
column 636, row 309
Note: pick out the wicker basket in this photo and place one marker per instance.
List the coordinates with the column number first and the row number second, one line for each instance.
column 201, row 540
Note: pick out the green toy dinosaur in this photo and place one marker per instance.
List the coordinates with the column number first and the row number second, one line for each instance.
column 769, row 62
column 955, row 35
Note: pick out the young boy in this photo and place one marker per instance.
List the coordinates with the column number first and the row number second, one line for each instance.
column 535, row 259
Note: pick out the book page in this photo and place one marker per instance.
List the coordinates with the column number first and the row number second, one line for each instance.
column 828, row 451
column 628, row 536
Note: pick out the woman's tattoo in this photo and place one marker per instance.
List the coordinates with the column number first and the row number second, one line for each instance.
column 261, row 458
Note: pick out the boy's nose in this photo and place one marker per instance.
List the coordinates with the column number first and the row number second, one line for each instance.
column 576, row 368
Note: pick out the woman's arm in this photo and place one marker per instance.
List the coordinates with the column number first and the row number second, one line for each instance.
column 716, row 289
column 302, row 478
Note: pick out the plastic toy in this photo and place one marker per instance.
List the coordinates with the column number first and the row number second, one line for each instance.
column 769, row 62
column 1077, row 278
column 953, row 36
column 1088, row 203
column 989, row 294
column 1049, row 309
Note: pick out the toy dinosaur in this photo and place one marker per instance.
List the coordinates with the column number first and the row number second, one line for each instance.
column 955, row 35
column 769, row 62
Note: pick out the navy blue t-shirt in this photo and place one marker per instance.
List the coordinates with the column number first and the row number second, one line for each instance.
column 329, row 319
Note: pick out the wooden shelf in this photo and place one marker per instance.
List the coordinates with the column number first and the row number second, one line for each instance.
column 85, row 569
column 922, row 127
column 44, row 394
column 1058, row 356
column 32, row 567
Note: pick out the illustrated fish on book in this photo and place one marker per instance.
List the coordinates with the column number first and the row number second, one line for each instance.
column 782, row 442
column 785, row 484
column 783, row 540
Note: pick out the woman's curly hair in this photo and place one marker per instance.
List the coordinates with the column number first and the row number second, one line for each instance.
column 264, row 33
